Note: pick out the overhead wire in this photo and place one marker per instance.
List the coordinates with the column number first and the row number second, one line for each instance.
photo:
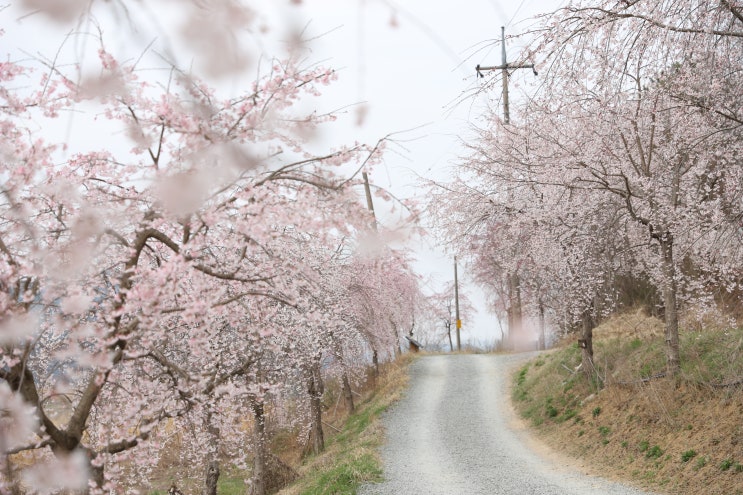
column 518, row 9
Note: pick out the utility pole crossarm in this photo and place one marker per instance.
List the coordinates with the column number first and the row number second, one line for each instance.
column 503, row 67
column 479, row 68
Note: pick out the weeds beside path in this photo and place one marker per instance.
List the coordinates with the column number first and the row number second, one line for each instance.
column 676, row 438
column 351, row 457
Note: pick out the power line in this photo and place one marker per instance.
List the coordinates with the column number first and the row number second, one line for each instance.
column 516, row 13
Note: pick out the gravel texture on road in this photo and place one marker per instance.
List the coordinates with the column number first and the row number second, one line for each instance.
column 454, row 432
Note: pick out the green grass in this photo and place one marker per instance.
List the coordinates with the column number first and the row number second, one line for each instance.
column 701, row 462
column 351, row 457
column 549, row 391
column 231, row 486
column 225, row 486
column 344, row 478
column 568, row 414
column 357, row 423
column 521, row 379
column 688, row 455
column 654, row 452
column 649, row 409
column 712, row 356
column 549, row 409
column 560, row 402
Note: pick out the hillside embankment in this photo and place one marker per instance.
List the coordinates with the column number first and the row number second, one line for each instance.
column 680, row 436
column 352, row 454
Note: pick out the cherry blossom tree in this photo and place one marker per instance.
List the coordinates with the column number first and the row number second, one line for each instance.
column 150, row 280
column 661, row 148
column 385, row 299
column 438, row 316
column 628, row 150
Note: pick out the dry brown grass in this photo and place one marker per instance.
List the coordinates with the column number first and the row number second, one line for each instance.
column 351, row 456
column 634, row 324
column 678, row 437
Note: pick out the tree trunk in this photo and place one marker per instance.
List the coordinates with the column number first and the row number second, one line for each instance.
column 348, row 393
column 673, row 355
column 396, row 335
column 517, row 314
column 12, row 484
column 315, row 389
column 586, row 343
column 345, row 382
column 509, row 320
column 212, row 477
column 448, row 332
column 212, row 468
column 258, row 486
column 514, row 306
column 542, row 339
column 375, row 362
column 96, row 473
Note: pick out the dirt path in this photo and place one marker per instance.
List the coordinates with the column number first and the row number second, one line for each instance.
column 455, row 433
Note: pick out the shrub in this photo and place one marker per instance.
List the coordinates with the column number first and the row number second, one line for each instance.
column 522, row 375
column 654, row 452
column 568, row 414
column 688, row 455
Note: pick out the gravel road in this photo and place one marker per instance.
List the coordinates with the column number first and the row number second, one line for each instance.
column 454, row 432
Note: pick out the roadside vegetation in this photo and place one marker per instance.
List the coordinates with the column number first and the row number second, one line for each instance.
column 351, row 457
column 627, row 420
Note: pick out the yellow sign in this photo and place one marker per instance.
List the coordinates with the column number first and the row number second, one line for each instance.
column 459, row 323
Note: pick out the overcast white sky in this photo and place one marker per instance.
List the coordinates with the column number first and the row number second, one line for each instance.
column 411, row 62
column 407, row 62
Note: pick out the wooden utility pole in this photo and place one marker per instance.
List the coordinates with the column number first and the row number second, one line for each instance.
column 456, row 305
column 370, row 205
column 503, row 67
column 369, row 202
column 514, row 311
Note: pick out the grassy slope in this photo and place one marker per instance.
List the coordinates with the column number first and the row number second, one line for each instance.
column 677, row 438
column 351, row 457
